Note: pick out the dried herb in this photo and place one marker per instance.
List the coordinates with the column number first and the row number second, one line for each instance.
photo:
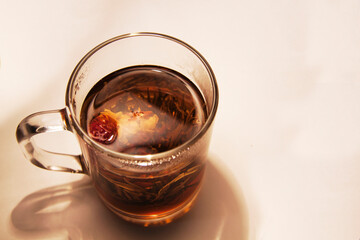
column 152, row 191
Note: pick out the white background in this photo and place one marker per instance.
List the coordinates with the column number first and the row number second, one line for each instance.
column 285, row 152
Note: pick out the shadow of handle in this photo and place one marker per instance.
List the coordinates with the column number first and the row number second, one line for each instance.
column 43, row 122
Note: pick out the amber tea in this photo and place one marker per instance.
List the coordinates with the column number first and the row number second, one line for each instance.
column 144, row 130
column 145, row 110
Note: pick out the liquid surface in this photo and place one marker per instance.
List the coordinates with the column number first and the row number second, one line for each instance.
column 143, row 110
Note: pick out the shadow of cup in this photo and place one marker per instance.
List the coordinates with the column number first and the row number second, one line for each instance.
column 74, row 211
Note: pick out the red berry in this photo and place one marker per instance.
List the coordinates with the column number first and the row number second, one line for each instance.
column 103, row 129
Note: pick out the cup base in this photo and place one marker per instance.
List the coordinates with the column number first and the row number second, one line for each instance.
column 155, row 220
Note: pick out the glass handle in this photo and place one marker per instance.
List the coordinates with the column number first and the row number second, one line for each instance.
column 44, row 122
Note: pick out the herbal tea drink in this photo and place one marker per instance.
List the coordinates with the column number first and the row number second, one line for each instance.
column 141, row 106
column 144, row 110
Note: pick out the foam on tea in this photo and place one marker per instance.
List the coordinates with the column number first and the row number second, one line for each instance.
column 143, row 110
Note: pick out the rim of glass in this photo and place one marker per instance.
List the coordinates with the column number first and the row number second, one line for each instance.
column 135, row 159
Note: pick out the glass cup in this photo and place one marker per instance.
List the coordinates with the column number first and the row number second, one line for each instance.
column 145, row 189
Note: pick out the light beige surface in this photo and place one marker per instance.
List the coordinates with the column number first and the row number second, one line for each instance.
column 285, row 155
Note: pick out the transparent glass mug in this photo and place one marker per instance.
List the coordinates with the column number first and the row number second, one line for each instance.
column 144, row 189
